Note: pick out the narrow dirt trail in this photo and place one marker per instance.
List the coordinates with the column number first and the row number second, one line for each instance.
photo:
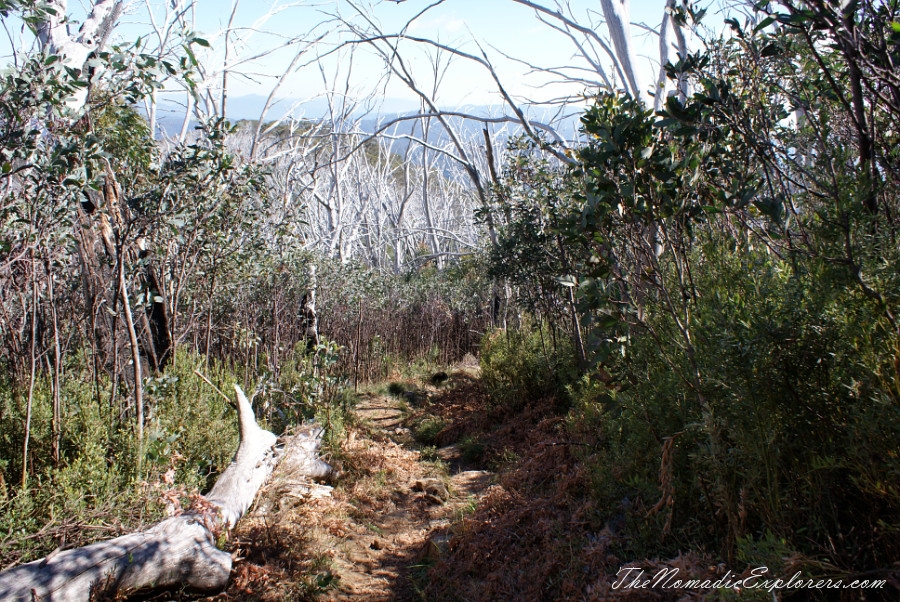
column 386, row 517
column 398, row 516
column 409, row 522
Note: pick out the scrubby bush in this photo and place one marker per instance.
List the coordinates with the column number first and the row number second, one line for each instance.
column 427, row 430
column 190, row 437
column 403, row 323
column 396, row 389
column 191, row 425
column 736, row 272
column 784, row 436
column 521, row 365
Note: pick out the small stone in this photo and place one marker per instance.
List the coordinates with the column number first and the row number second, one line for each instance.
column 434, row 489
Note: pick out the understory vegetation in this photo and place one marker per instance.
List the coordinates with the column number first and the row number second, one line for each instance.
column 139, row 283
column 687, row 333
column 732, row 267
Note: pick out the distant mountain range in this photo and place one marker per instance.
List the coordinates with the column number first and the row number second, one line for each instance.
column 170, row 115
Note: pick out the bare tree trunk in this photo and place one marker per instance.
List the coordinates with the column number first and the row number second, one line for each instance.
column 30, row 402
column 434, row 243
column 308, row 317
column 56, row 427
column 618, row 22
column 225, row 68
column 57, row 36
column 866, row 145
column 356, row 347
column 489, row 214
column 135, row 359
column 576, row 330
column 94, row 275
column 157, row 315
column 209, row 316
column 275, row 333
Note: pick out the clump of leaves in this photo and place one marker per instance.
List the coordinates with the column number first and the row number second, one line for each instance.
column 472, row 449
column 525, row 365
column 396, row 389
column 427, row 431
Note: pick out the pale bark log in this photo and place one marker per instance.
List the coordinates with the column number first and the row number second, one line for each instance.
column 235, row 490
column 178, row 552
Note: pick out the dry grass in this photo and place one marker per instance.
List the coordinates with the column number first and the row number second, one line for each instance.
column 536, row 534
column 364, row 540
column 529, row 532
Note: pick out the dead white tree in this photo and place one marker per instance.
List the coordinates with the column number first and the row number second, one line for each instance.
column 671, row 36
column 180, row 551
column 609, row 59
column 168, row 27
column 362, row 207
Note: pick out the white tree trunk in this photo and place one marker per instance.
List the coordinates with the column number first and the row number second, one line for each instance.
column 74, row 49
column 618, row 22
column 178, row 552
column 668, row 30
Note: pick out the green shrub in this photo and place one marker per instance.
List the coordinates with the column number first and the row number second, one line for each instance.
column 190, row 428
column 523, row 365
column 427, row 430
column 309, row 386
column 429, row 453
column 791, row 437
column 396, row 389
column 472, row 449
column 191, row 421
column 191, row 435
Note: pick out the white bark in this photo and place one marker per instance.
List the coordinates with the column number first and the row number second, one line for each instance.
column 618, row 23
column 74, row 49
column 668, row 30
column 236, row 488
column 178, row 552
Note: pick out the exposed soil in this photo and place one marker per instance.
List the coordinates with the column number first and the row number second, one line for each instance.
column 387, row 520
column 497, row 509
column 396, row 515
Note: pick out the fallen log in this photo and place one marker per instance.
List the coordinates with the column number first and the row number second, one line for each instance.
column 177, row 552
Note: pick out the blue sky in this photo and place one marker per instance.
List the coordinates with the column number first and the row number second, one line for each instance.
column 501, row 26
